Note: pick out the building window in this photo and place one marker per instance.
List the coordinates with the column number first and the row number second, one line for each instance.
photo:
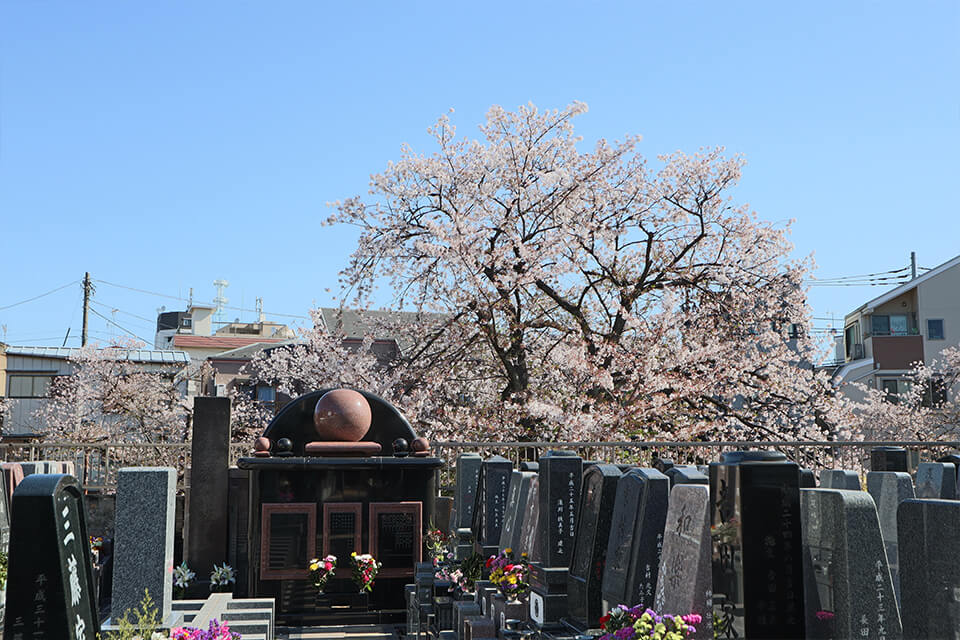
column 892, row 325
column 935, row 329
column 29, row 386
column 895, row 389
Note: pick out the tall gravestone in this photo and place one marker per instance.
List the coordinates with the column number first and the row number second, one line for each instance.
column 635, row 538
column 847, row 584
column 598, row 493
column 50, row 591
column 936, row 480
column 517, row 497
column 757, row 552
column 930, row 568
column 207, row 508
column 840, row 479
column 531, row 522
column 490, row 507
column 685, row 580
column 143, row 539
column 888, row 489
column 560, row 478
column 468, row 476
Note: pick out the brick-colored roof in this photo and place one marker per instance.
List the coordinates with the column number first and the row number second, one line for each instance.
column 217, row 342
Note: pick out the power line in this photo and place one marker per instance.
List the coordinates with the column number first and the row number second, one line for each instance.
column 182, row 299
column 121, row 327
column 113, row 308
column 866, row 275
column 17, row 304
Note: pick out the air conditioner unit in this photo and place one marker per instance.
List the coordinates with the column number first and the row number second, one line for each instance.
column 221, row 390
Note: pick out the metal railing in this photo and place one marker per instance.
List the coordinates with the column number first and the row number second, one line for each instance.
column 96, row 465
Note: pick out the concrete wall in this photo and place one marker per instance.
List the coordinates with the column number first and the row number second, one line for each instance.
column 940, row 298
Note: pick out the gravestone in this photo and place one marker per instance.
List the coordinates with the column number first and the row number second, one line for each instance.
column 686, row 475
column 635, row 539
column 468, row 476
column 143, row 540
column 757, row 551
column 930, row 568
column 888, row 489
column 50, row 592
column 531, row 523
column 12, row 476
column 840, row 479
column 461, row 610
column 516, row 511
column 207, row 504
column 847, row 584
column 936, row 480
column 4, row 519
column 663, row 465
column 685, row 581
column 489, row 509
column 444, row 512
column 510, row 511
column 807, row 479
column 954, row 459
column 598, row 493
column 530, row 466
column 560, row 477
column 548, row 595
column 889, row 459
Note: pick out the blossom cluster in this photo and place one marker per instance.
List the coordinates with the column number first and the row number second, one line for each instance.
column 624, row 623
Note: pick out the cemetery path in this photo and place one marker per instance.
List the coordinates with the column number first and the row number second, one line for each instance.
column 346, row 632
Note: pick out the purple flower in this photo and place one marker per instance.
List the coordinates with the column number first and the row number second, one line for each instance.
column 625, row 634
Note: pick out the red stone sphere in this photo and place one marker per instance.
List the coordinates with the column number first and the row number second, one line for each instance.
column 262, row 444
column 342, row 415
column 420, row 444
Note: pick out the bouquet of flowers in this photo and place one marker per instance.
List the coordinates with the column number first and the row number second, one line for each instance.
column 182, row 578
column 96, row 543
column 365, row 568
column 436, row 543
column 508, row 576
column 221, row 578
column 624, row 623
column 321, row 570
column 215, row 631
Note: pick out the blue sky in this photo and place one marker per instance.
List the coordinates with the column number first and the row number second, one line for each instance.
column 161, row 146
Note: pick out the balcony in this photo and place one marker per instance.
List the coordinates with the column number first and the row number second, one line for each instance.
column 897, row 352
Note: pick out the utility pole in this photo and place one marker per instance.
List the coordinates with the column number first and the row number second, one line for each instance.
column 913, row 265
column 87, row 291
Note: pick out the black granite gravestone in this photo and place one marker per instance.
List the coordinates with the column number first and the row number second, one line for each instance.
column 205, row 521
column 840, row 479
column 807, row 479
column 635, row 539
column 930, row 568
column 847, row 585
column 590, row 549
column 468, row 477
column 936, row 480
column 50, row 591
column 757, row 552
column 490, row 506
column 889, row 459
column 685, row 581
column 560, row 477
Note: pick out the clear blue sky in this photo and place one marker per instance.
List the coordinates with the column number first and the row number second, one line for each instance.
column 163, row 145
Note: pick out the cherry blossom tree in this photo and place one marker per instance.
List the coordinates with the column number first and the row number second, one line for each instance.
column 111, row 398
column 591, row 296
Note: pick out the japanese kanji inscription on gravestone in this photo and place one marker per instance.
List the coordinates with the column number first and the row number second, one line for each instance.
column 50, row 586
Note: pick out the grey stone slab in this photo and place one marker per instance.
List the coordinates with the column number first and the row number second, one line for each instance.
column 510, row 511
column 513, row 526
column 845, row 567
column 686, row 475
column 930, row 568
column 207, row 505
column 468, row 476
column 685, row 582
column 635, row 538
column 888, row 489
column 531, row 523
column 143, row 538
column 936, row 480
column 840, row 479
